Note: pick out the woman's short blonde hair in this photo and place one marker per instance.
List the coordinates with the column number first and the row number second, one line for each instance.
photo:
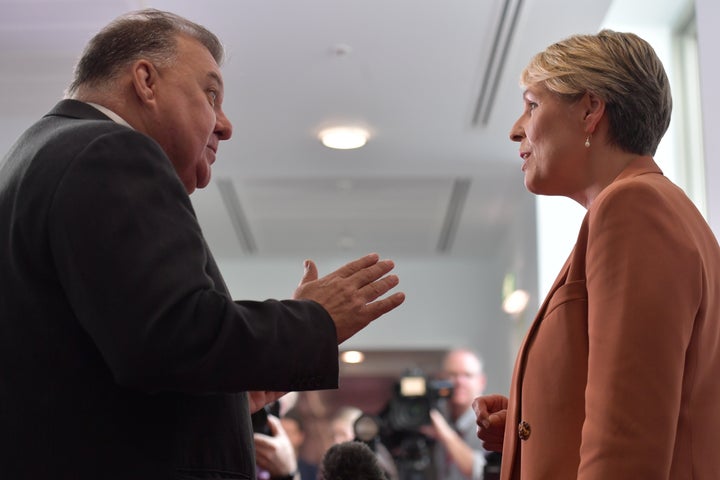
column 620, row 68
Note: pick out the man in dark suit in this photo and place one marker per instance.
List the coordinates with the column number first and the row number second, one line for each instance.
column 122, row 354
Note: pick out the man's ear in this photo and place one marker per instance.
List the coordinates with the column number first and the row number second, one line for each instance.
column 144, row 80
column 593, row 110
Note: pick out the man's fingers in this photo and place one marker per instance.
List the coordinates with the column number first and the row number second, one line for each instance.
column 378, row 288
column 367, row 314
column 372, row 273
column 380, row 307
column 355, row 266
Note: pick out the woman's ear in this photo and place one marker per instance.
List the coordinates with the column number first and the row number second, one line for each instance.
column 593, row 109
column 144, row 80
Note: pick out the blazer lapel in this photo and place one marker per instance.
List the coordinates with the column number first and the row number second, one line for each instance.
column 511, row 453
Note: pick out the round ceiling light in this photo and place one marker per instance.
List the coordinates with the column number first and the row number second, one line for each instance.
column 344, row 138
column 352, row 356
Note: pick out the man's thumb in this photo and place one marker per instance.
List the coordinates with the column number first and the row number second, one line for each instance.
column 310, row 273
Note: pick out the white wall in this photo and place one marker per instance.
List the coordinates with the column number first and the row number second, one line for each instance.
column 708, row 16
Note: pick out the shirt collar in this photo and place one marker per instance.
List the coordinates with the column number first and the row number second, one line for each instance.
column 113, row 116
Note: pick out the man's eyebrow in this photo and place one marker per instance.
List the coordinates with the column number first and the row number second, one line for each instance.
column 216, row 77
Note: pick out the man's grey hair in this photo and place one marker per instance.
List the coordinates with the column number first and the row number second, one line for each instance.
column 150, row 34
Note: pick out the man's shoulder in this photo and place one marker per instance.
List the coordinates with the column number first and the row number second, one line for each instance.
column 76, row 109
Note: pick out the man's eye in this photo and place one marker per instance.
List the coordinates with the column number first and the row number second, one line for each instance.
column 212, row 96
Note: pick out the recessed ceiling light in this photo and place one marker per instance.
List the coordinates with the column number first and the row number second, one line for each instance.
column 352, row 356
column 344, row 138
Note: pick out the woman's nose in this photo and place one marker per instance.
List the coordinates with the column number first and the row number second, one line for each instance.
column 517, row 133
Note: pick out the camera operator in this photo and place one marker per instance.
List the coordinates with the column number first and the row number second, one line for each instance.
column 458, row 452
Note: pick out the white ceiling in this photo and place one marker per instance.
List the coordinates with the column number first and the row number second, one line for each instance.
column 436, row 178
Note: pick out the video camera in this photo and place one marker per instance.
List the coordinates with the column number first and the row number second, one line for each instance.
column 413, row 398
column 260, row 418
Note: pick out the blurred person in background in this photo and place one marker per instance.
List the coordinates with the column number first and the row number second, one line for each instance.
column 342, row 425
column 275, row 455
column 294, row 426
column 458, row 452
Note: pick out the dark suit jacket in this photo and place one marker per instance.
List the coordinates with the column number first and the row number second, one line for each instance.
column 122, row 354
column 619, row 375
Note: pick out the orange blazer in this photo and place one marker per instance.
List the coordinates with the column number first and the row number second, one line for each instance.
column 619, row 374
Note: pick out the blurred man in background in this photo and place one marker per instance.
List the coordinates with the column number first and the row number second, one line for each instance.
column 458, row 452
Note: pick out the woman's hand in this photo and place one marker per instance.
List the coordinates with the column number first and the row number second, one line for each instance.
column 491, row 411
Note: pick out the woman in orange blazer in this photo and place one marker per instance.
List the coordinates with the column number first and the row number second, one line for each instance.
column 619, row 375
